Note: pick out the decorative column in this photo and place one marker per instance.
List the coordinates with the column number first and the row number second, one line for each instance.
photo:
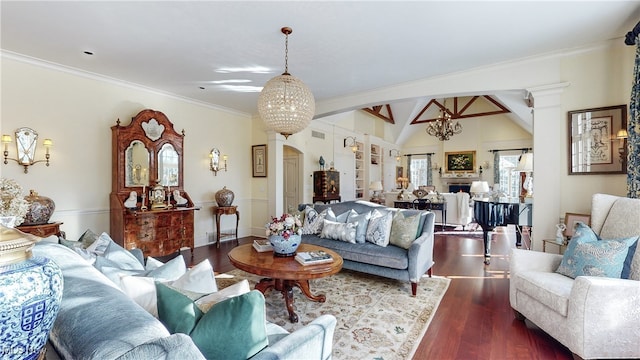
column 547, row 114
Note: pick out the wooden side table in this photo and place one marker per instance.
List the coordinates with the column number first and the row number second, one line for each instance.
column 44, row 230
column 218, row 211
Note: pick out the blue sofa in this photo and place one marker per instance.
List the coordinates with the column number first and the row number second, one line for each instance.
column 391, row 261
column 98, row 321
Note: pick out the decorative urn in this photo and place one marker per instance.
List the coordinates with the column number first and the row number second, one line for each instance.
column 284, row 247
column 30, row 295
column 40, row 209
column 224, row 197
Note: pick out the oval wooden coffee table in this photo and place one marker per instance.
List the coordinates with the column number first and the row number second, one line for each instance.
column 284, row 273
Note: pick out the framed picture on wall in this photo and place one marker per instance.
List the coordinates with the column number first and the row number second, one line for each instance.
column 570, row 220
column 460, row 161
column 259, row 160
column 597, row 142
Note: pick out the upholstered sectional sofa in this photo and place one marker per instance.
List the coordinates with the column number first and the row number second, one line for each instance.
column 98, row 321
column 406, row 260
column 584, row 306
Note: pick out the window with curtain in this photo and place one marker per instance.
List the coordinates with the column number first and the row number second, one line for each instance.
column 509, row 179
column 419, row 171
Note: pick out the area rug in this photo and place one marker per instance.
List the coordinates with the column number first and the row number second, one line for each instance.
column 377, row 317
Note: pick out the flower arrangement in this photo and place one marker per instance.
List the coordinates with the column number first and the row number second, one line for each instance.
column 284, row 226
column 12, row 202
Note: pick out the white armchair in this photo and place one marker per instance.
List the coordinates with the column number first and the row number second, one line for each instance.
column 595, row 317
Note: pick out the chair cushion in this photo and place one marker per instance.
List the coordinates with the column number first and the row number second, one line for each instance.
column 550, row 289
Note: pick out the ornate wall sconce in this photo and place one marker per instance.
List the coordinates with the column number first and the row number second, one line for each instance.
column 396, row 153
column 351, row 141
column 26, row 142
column 214, row 164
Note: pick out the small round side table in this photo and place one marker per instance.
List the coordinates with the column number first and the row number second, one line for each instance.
column 218, row 211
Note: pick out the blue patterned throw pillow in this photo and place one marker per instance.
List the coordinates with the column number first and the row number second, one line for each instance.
column 362, row 222
column 586, row 255
column 379, row 227
column 313, row 221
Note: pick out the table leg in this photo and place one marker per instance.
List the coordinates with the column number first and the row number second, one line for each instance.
column 286, row 288
column 237, row 222
column 487, row 247
column 303, row 285
column 218, row 230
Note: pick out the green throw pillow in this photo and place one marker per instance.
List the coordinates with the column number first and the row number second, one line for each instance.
column 404, row 229
column 176, row 311
column 234, row 328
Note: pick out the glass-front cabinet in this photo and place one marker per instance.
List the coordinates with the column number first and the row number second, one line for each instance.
column 149, row 208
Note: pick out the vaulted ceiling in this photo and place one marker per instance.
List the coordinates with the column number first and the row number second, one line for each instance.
column 220, row 53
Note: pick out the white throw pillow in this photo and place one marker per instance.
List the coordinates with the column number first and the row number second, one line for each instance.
column 206, row 302
column 197, row 281
column 142, row 290
column 339, row 231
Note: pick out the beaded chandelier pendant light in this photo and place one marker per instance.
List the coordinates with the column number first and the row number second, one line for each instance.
column 286, row 105
column 443, row 127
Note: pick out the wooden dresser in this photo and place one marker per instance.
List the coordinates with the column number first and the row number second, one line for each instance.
column 326, row 186
column 147, row 156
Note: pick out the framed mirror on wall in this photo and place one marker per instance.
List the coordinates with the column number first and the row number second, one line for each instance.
column 597, row 142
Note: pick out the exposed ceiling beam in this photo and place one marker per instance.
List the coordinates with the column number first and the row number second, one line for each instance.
column 379, row 111
column 460, row 113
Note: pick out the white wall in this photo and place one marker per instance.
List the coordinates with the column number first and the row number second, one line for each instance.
column 76, row 112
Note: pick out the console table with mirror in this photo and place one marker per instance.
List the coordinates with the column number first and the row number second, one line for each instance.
column 150, row 210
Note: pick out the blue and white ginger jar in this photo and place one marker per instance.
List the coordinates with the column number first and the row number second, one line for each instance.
column 30, row 295
column 284, row 247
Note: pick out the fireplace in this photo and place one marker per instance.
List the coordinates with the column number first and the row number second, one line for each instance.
column 454, row 188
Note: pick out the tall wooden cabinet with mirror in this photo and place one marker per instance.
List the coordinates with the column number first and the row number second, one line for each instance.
column 147, row 158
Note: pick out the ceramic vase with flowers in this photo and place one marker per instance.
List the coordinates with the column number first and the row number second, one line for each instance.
column 13, row 206
column 284, row 234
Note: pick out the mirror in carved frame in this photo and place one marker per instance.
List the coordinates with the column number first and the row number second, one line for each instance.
column 168, row 165
column 136, row 164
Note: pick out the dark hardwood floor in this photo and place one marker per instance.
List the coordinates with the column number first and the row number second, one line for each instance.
column 474, row 319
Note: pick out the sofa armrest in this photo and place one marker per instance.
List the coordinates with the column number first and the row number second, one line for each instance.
column 314, row 341
column 606, row 312
column 420, row 253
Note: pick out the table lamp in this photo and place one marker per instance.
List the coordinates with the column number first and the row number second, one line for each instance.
column 376, row 187
column 478, row 188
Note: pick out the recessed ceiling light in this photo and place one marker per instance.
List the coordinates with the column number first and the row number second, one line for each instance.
column 230, row 81
column 254, row 69
column 242, row 88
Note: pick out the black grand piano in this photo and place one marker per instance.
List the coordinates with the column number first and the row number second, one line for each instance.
column 489, row 214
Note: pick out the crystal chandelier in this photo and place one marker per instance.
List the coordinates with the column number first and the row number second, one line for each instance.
column 443, row 127
column 286, row 105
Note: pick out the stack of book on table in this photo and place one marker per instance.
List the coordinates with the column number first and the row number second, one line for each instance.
column 262, row 245
column 313, row 257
